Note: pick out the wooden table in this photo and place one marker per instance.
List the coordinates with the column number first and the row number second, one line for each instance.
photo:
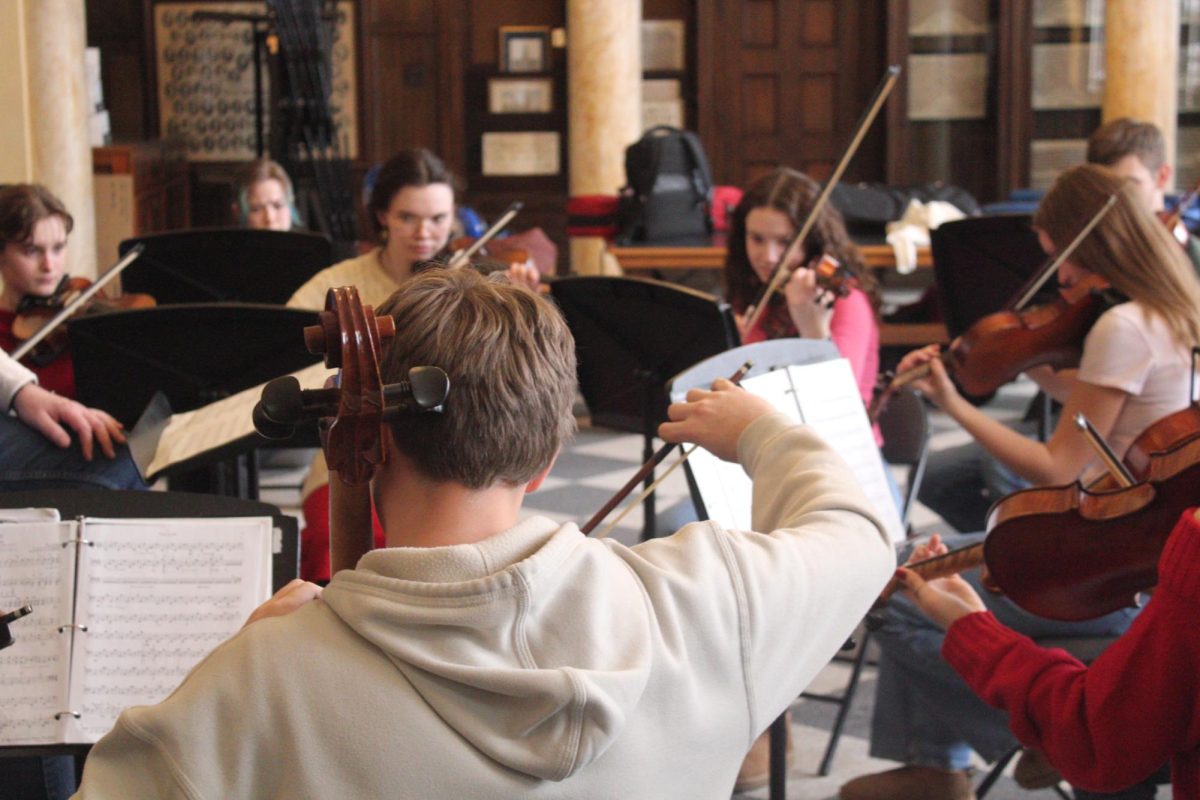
column 633, row 258
column 636, row 257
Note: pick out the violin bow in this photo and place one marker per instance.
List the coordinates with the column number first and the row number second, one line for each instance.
column 779, row 274
column 645, row 470
column 84, row 296
column 463, row 256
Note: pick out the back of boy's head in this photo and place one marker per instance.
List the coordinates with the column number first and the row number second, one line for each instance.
column 511, row 363
column 1123, row 137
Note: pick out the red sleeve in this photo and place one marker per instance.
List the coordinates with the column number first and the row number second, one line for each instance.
column 1110, row 725
column 855, row 333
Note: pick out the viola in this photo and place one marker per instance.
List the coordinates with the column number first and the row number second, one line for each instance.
column 1072, row 552
column 38, row 319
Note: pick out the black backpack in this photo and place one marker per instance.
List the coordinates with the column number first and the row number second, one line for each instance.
column 668, row 188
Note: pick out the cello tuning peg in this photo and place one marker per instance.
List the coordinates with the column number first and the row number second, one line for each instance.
column 269, row 428
column 282, row 401
column 429, row 386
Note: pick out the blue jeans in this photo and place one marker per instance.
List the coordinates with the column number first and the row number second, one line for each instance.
column 961, row 483
column 925, row 714
column 38, row 777
column 28, row 460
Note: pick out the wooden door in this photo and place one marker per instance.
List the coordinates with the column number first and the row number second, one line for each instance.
column 785, row 81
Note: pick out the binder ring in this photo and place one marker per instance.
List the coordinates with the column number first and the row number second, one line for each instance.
column 78, row 540
column 75, row 625
column 61, row 714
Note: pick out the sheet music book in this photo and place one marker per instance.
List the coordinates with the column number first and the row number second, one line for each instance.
column 123, row 609
column 162, row 440
column 825, row 397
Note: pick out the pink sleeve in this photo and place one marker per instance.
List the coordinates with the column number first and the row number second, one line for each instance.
column 855, row 333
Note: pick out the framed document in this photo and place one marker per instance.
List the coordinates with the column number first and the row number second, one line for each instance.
column 520, row 95
column 525, row 153
column 662, row 44
column 524, row 48
column 947, row 86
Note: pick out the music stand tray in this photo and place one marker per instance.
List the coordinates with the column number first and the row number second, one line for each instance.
column 209, row 265
column 631, row 335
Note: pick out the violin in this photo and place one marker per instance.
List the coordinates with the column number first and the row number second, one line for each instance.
column 1002, row 345
column 464, row 247
column 831, row 276
column 39, row 319
column 350, row 337
column 1073, row 553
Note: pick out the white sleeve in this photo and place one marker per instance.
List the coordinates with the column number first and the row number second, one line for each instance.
column 1116, row 352
column 13, row 377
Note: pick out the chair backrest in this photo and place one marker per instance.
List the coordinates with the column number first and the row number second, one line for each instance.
column 980, row 263
column 904, row 423
column 225, row 264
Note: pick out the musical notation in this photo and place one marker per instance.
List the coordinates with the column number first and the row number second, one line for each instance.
column 140, row 608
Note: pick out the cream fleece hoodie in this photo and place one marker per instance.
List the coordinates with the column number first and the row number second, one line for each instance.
column 538, row 663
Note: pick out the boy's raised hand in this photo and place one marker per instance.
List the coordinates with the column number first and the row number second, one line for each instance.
column 714, row 418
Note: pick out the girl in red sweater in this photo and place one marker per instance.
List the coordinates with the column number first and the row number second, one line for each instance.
column 1104, row 726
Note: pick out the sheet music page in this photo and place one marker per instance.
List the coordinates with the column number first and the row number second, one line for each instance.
column 830, row 402
column 824, row 396
column 191, row 433
column 157, row 596
column 724, row 485
column 36, row 569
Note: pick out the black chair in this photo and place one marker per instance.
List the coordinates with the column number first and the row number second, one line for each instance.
column 631, row 335
column 211, row 265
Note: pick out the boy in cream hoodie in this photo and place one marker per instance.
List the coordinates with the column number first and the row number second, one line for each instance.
column 482, row 655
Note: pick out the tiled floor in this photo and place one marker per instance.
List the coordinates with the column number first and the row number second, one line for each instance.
column 599, row 461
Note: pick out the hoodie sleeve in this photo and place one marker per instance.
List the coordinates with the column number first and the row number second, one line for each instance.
column 13, row 377
column 806, row 581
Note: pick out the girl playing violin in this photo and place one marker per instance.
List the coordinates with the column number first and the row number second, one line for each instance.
column 33, row 229
column 770, row 213
column 411, row 210
column 1135, row 369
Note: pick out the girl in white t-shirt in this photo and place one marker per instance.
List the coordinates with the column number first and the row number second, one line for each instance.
column 1135, row 370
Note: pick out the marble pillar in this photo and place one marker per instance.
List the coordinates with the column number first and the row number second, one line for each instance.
column 56, row 36
column 604, row 78
column 1141, row 56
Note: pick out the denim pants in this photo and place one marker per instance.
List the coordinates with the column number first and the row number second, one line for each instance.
column 961, row 483
column 925, row 714
column 28, row 460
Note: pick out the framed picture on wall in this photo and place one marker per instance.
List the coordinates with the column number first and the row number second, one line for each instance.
column 520, row 95
column 524, row 48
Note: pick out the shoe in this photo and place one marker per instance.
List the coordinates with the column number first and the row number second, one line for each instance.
column 910, row 783
column 1033, row 771
column 756, row 767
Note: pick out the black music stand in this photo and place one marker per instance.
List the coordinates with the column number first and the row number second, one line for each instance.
column 193, row 354
column 225, row 264
column 631, row 335
column 980, row 263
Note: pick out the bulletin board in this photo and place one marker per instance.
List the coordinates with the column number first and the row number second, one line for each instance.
column 205, row 74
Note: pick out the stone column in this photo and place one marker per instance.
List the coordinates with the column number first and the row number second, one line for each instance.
column 604, row 115
column 56, row 35
column 1141, row 55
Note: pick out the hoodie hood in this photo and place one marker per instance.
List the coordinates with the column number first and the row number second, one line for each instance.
column 531, row 645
